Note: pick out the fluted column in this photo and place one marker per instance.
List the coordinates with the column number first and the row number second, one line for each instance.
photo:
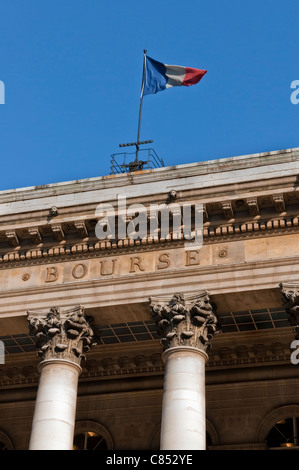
column 186, row 325
column 62, row 338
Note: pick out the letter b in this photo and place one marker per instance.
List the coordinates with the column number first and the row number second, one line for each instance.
column 52, row 274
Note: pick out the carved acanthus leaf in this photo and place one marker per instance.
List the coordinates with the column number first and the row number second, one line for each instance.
column 12, row 237
column 35, row 235
column 290, row 301
column 279, row 203
column 62, row 334
column 81, row 229
column 58, row 232
column 227, row 210
column 253, row 206
column 185, row 321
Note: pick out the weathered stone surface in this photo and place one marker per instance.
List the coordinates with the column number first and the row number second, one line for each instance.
column 185, row 321
column 290, row 301
column 62, row 334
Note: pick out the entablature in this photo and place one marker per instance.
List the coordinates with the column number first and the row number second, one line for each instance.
column 227, row 219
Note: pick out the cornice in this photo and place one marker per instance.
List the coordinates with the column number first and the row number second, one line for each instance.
column 61, row 248
column 219, row 165
column 225, row 177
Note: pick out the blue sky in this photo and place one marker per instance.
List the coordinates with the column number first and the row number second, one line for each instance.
column 72, row 72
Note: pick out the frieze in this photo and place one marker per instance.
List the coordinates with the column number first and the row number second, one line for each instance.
column 85, row 266
column 102, row 267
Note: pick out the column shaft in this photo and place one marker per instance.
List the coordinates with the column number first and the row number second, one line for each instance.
column 186, row 325
column 62, row 338
column 183, row 411
column 55, row 408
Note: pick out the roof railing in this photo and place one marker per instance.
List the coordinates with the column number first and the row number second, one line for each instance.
column 123, row 162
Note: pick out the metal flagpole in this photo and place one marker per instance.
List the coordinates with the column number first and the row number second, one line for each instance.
column 140, row 105
column 138, row 165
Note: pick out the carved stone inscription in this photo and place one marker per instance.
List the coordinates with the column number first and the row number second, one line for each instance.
column 106, row 267
column 140, row 263
column 120, row 265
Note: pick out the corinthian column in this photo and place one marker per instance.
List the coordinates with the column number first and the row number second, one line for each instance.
column 62, row 338
column 186, row 325
column 290, row 301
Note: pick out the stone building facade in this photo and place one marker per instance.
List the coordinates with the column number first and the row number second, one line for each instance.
column 149, row 342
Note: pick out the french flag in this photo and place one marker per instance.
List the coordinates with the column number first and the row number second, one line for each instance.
column 160, row 76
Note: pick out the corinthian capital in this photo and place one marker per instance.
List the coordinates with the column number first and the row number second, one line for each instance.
column 290, row 301
column 185, row 320
column 61, row 334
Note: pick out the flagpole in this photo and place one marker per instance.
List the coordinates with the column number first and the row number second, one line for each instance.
column 136, row 164
column 140, row 104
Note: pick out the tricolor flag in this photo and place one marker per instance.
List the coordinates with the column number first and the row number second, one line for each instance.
column 158, row 76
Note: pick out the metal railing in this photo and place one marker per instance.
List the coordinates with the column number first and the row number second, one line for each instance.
column 124, row 162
